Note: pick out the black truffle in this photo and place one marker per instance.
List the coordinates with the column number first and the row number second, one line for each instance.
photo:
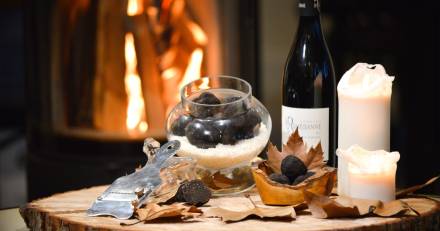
column 280, row 178
column 292, row 167
column 252, row 118
column 202, row 134
column 241, row 127
column 301, row 178
column 247, row 125
column 207, row 98
column 232, row 109
column 193, row 192
column 178, row 126
column 205, row 110
column 231, row 99
column 225, row 127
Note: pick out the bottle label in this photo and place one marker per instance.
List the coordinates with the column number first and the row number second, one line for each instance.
column 312, row 124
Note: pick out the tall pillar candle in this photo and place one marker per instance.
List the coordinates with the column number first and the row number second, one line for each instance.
column 364, row 95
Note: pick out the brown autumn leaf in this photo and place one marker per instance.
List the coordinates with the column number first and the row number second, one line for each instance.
column 363, row 206
column 326, row 207
column 274, row 158
column 295, row 146
column 218, row 181
column 264, row 166
column 313, row 158
column 171, row 179
column 393, row 208
column 257, row 210
column 405, row 192
column 153, row 211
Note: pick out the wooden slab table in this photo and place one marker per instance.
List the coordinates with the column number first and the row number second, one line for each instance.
column 66, row 211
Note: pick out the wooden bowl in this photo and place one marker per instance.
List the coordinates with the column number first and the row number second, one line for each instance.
column 274, row 193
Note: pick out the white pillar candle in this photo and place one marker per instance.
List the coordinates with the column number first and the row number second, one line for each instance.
column 364, row 94
column 369, row 174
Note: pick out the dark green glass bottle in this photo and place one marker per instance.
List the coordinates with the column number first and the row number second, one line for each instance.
column 309, row 85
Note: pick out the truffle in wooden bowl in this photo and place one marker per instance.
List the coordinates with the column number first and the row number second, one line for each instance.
column 282, row 179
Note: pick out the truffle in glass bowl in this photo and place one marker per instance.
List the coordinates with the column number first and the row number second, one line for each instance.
column 223, row 127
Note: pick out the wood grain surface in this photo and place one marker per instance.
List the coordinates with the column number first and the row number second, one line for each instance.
column 66, row 211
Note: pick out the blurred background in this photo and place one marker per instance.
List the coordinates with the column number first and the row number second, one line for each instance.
column 63, row 81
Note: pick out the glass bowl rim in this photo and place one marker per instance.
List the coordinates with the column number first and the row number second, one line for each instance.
column 247, row 95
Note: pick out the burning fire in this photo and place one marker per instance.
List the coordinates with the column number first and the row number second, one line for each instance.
column 134, row 7
column 192, row 71
column 174, row 78
column 136, row 118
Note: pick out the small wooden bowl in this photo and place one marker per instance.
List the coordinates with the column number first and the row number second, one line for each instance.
column 274, row 193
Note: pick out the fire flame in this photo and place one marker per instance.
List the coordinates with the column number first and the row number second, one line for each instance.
column 136, row 118
column 205, row 84
column 198, row 34
column 193, row 70
column 134, row 7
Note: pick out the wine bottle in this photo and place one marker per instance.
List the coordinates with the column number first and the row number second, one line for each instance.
column 309, row 85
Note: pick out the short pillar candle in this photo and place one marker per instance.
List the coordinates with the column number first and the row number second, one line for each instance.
column 370, row 174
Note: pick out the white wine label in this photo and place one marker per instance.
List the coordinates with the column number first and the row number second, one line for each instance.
column 312, row 124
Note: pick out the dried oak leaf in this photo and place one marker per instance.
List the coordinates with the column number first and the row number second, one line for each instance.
column 153, row 211
column 257, row 210
column 218, row 181
column 393, row 208
column 274, row 158
column 313, row 158
column 405, row 192
column 171, row 179
column 326, row 207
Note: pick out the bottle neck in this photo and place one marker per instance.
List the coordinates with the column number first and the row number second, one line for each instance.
column 308, row 12
column 310, row 23
column 308, row 8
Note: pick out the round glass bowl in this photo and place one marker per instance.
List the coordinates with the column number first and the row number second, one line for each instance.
column 223, row 127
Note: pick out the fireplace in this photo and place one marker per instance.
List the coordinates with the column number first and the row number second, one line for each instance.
column 117, row 77
column 103, row 74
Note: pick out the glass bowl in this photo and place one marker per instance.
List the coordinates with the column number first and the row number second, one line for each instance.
column 223, row 127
